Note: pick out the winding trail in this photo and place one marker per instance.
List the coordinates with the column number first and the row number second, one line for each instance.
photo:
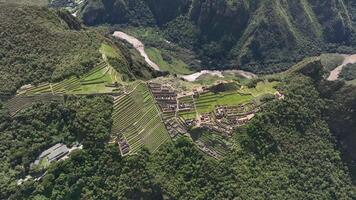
column 138, row 45
column 334, row 74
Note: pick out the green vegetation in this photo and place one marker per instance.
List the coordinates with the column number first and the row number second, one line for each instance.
column 137, row 118
column 40, row 45
column 169, row 56
column 213, row 140
column 27, row 2
column 301, row 147
column 109, row 51
column 167, row 63
column 23, row 138
column 233, row 33
column 45, row 45
column 348, row 72
column 331, row 61
column 98, row 80
column 282, row 152
column 186, row 115
column 206, row 102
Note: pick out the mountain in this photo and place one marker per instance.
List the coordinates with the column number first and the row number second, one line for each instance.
column 43, row 45
column 286, row 152
column 258, row 35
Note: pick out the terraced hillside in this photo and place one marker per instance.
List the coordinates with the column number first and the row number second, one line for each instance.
column 188, row 114
column 136, row 119
column 207, row 101
column 19, row 103
column 101, row 79
column 47, row 45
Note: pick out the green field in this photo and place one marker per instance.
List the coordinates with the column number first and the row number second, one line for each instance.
column 208, row 79
column 206, row 102
column 108, row 51
column 186, row 115
column 172, row 65
column 95, row 81
column 137, row 118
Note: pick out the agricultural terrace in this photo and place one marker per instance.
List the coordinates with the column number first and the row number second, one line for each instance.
column 21, row 102
column 206, row 102
column 189, row 114
column 98, row 80
column 137, row 118
column 211, row 140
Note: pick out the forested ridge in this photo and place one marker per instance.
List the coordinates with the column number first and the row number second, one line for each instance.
column 260, row 35
column 39, row 45
column 287, row 151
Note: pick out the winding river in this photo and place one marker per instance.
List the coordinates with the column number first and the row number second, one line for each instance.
column 140, row 47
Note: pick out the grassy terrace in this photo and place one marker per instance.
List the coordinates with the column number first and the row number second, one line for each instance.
column 137, row 117
column 174, row 65
column 186, row 115
column 212, row 140
column 207, row 102
column 95, row 81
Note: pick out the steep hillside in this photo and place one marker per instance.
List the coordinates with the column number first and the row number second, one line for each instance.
column 259, row 35
column 286, row 152
column 40, row 45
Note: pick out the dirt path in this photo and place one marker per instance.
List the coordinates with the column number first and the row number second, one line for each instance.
column 334, row 74
column 138, row 45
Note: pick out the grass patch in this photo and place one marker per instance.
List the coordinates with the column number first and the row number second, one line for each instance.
column 261, row 88
column 95, row 81
column 207, row 102
column 331, row 61
column 108, row 50
column 188, row 115
column 166, row 62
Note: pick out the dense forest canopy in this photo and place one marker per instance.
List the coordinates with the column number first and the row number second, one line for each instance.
column 46, row 45
column 259, row 35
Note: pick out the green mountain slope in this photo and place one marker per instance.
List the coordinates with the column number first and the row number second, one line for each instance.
column 41, row 45
column 259, row 35
column 288, row 151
